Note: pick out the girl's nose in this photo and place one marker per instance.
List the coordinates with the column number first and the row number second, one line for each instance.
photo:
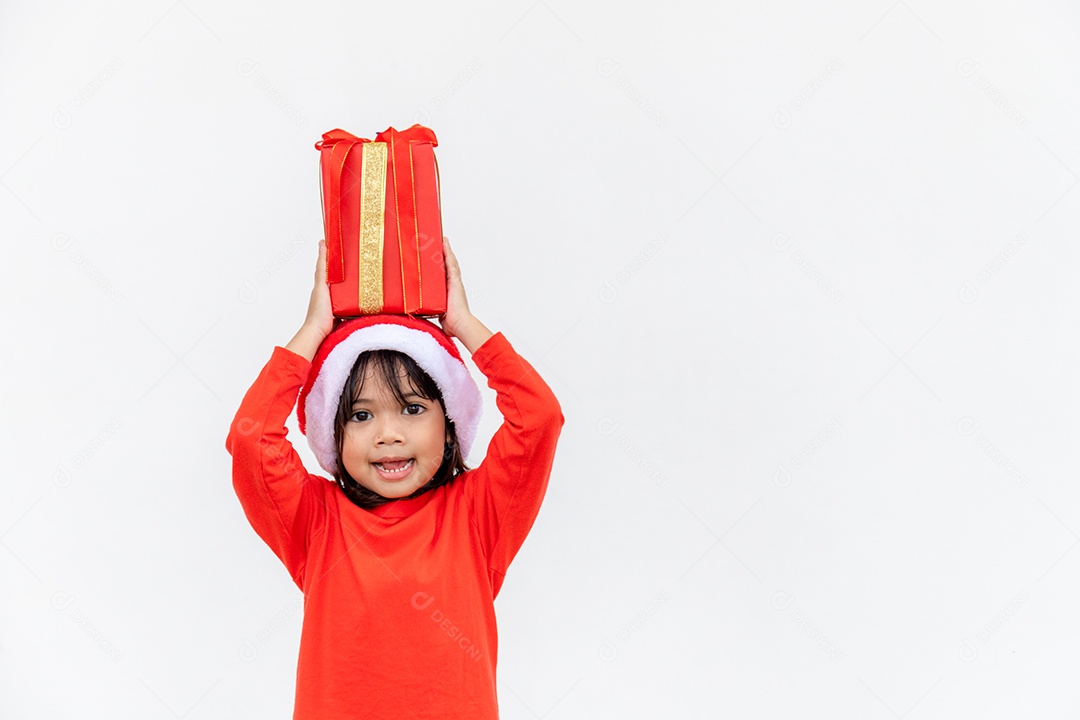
column 388, row 431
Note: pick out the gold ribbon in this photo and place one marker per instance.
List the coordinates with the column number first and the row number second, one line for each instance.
column 372, row 230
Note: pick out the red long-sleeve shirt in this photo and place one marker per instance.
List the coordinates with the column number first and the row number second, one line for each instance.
column 399, row 617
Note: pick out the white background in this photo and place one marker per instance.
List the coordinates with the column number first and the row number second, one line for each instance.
column 801, row 275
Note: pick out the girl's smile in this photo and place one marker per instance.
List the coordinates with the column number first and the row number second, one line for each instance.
column 394, row 469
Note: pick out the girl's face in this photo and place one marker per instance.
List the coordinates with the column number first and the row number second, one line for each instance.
column 392, row 448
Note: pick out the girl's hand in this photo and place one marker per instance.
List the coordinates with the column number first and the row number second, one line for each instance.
column 320, row 315
column 457, row 313
column 458, row 321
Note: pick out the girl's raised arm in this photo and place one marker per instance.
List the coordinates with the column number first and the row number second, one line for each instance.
column 282, row 501
column 506, row 490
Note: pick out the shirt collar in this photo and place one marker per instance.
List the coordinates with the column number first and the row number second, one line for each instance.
column 403, row 507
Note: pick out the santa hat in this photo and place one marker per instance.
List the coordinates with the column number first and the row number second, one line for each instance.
column 426, row 343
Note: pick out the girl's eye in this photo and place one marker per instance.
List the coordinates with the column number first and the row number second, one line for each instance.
column 357, row 413
column 419, row 409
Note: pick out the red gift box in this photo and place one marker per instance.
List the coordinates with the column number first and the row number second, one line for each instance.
column 383, row 222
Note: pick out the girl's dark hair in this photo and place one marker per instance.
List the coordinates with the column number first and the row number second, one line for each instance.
column 388, row 365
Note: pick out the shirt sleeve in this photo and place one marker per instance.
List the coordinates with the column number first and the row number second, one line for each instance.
column 505, row 491
column 281, row 500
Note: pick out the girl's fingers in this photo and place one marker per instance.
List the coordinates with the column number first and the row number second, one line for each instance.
column 451, row 261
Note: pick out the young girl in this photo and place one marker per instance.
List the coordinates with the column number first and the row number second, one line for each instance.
column 402, row 554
